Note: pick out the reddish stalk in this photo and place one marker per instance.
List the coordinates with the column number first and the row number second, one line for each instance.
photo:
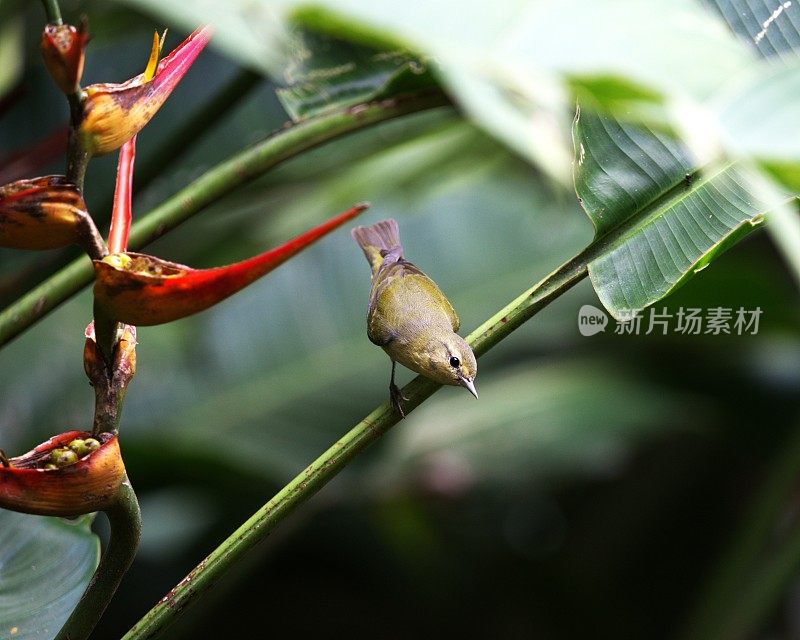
column 121, row 215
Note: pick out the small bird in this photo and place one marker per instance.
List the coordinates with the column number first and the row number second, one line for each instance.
column 410, row 317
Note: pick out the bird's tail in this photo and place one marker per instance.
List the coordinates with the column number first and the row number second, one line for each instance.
column 378, row 241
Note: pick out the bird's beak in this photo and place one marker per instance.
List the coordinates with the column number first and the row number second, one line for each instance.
column 469, row 386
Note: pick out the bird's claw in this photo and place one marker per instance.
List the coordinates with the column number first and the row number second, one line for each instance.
column 396, row 396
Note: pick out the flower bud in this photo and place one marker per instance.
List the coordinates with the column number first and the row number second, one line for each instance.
column 42, row 213
column 53, row 480
column 83, row 447
column 63, row 49
column 123, row 367
column 140, row 289
column 63, row 457
column 110, row 379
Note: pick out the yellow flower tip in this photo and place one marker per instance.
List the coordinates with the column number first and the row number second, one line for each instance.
column 155, row 53
column 152, row 63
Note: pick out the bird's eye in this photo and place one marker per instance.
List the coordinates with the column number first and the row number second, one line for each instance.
column 455, row 362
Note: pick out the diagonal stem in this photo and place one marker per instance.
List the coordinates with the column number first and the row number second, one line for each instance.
column 178, row 141
column 325, row 468
column 210, row 187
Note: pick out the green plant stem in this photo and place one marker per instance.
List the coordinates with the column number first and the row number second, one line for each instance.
column 105, row 330
column 125, row 522
column 52, row 11
column 77, row 160
column 211, row 186
column 77, row 155
column 739, row 593
column 186, row 134
column 325, row 468
column 109, row 400
column 181, row 139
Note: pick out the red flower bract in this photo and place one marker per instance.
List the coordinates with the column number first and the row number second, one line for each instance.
column 139, row 289
column 89, row 484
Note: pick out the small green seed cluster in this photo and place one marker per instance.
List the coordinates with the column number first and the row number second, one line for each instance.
column 74, row 451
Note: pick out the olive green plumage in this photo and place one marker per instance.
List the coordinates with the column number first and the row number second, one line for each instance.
column 409, row 316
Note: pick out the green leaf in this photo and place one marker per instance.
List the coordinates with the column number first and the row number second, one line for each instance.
column 324, row 73
column 622, row 98
column 786, row 173
column 511, row 69
column 759, row 116
column 772, row 29
column 45, row 565
column 658, row 221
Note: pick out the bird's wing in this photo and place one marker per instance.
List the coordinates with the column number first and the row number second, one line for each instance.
column 380, row 320
column 381, row 317
column 436, row 294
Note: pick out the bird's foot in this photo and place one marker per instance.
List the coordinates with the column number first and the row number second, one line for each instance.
column 397, row 398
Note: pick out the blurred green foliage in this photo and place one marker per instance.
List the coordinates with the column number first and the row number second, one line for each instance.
column 586, row 494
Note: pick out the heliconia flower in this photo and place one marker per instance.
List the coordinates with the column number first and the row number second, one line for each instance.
column 63, row 49
column 68, row 475
column 43, row 213
column 143, row 290
column 114, row 113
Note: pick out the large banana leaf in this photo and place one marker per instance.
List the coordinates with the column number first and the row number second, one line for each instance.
column 759, row 114
column 758, row 117
column 772, row 29
column 45, row 565
column 511, row 66
column 657, row 219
